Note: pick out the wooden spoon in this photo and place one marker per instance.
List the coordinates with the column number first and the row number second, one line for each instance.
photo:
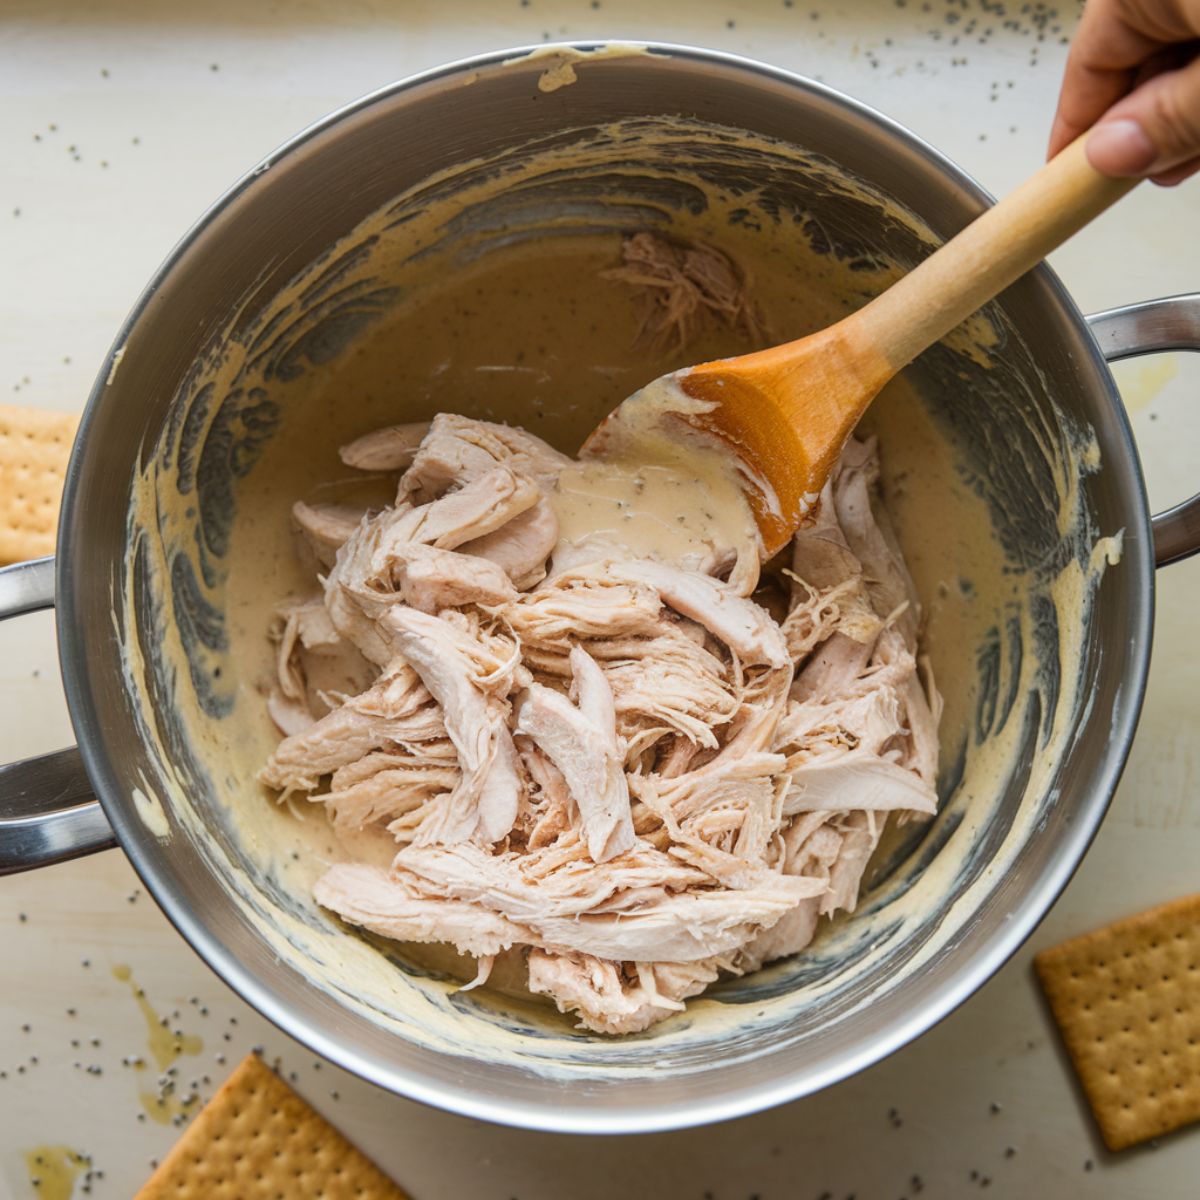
column 786, row 412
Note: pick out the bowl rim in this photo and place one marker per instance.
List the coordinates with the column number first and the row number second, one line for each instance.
column 556, row 1114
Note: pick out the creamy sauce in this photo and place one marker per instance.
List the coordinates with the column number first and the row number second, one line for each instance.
column 151, row 813
column 649, row 491
column 645, row 510
column 523, row 329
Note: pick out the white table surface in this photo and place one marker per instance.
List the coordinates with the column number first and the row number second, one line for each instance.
column 120, row 120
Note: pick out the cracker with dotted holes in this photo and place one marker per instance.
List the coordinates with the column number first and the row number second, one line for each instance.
column 34, row 448
column 1127, row 1001
column 257, row 1140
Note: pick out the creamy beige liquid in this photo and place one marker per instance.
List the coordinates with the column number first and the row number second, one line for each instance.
column 647, row 510
column 533, row 338
column 571, row 342
column 446, row 354
column 647, row 490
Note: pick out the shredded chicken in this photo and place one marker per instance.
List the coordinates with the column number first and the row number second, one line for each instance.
column 682, row 287
column 636, row 775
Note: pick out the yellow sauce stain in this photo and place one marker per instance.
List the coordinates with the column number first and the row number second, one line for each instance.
column 1140, row 383
column 53, row 1171
column 559, row 76
column 166, row 1046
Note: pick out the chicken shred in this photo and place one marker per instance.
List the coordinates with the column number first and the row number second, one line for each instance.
column 683, row 287
column 635, row 775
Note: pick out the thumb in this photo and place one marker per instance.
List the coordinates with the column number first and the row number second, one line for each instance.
column 1153, row 129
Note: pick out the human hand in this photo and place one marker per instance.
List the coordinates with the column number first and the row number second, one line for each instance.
column 1134, row 73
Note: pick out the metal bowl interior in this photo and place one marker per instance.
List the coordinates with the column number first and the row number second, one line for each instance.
column 916, row 949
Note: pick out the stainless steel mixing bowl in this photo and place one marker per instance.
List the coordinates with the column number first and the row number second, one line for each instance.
column 765, row 1045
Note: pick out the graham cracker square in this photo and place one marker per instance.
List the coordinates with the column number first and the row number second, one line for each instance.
column 257, row 1140
column 34, row 449
column 1127, row 1001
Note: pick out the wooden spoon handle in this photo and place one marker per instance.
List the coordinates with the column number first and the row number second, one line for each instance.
column 993, row 251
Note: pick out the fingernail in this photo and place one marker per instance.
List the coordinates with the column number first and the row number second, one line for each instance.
column 1120, row 148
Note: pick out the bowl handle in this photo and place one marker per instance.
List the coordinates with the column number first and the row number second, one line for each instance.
column 1172, row 323
column 47, row 812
